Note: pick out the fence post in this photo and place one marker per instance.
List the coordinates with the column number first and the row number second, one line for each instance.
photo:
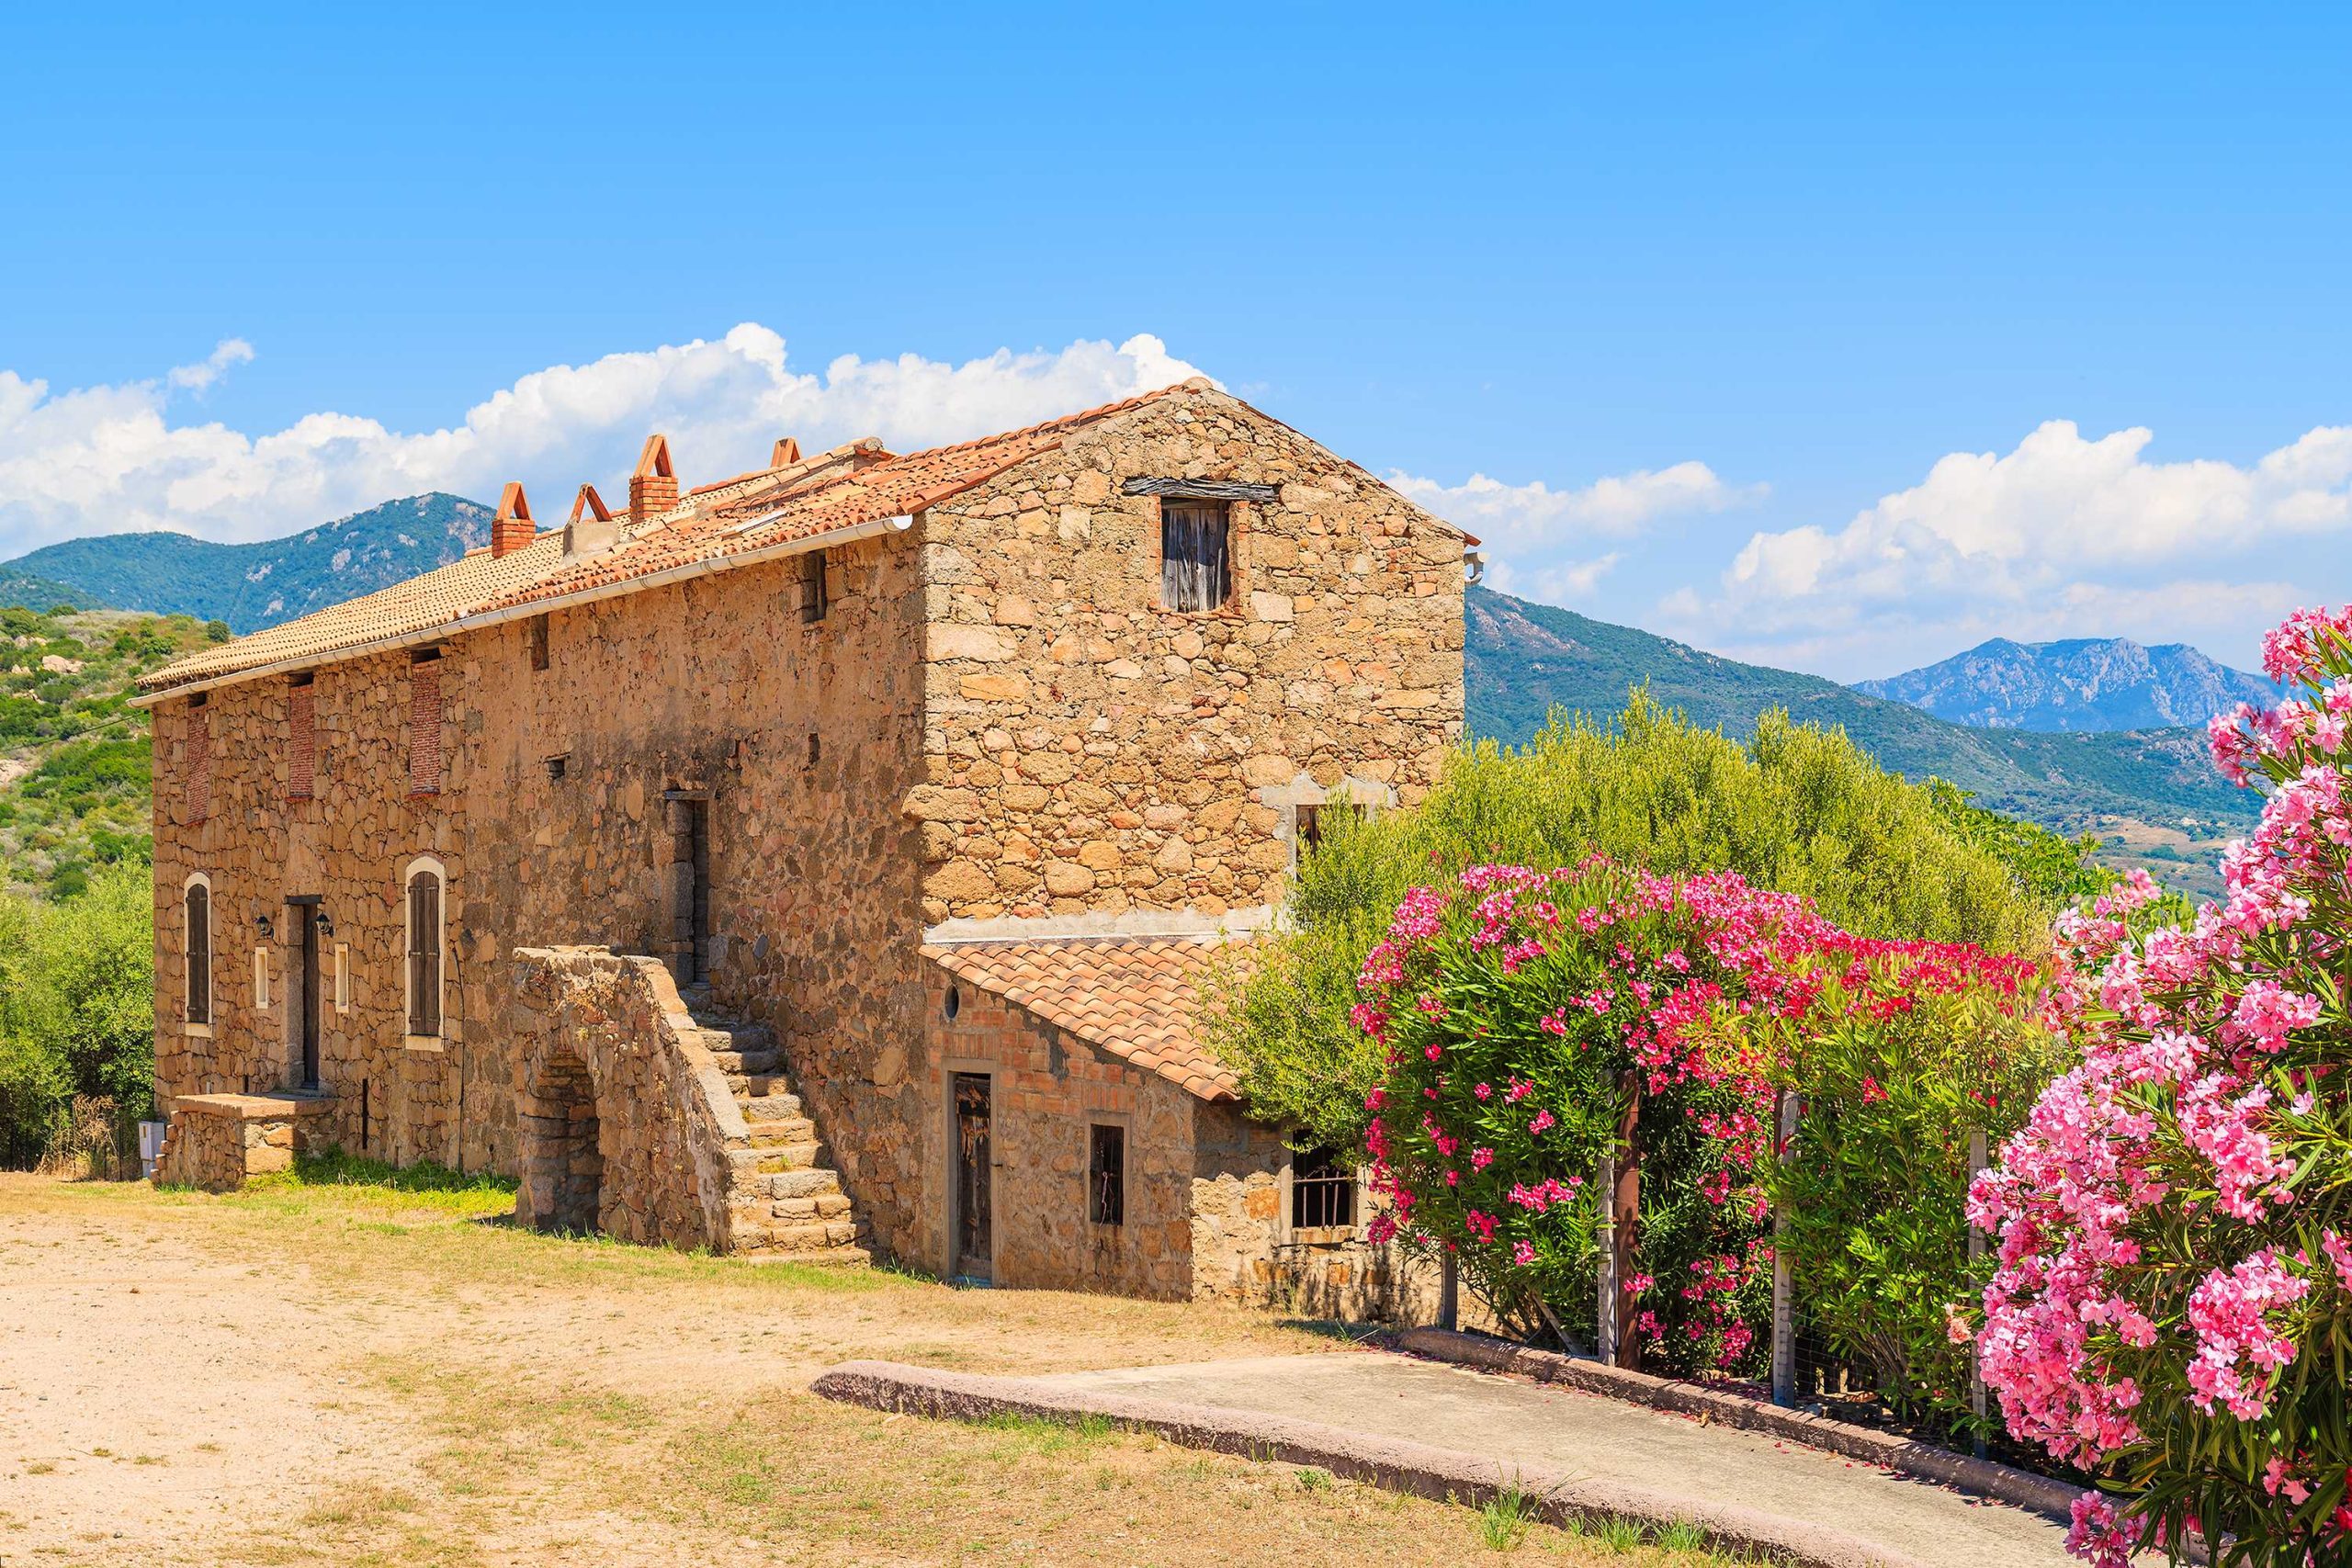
column 1604, row 1182
column 1449, row 1294
column 1625, row 1227
column 1785, row 1305
column 1976, row 1162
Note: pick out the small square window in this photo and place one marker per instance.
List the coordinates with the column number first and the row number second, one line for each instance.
column 1196, row 567
column 557, row 767
column 1322, row 1191
column 812, row 587
column 1106, row 1175
column 1311, row 820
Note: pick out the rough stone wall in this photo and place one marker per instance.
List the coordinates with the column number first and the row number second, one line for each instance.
column 798, row 741
column 1048, row 1088
column 1244, row 1249
column 349, row 844
column 208, row 1153
column 801, row 741
column 1090, row 753
column 626, row 1124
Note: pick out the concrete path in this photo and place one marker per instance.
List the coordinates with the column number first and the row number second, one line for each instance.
column 1537, row 1429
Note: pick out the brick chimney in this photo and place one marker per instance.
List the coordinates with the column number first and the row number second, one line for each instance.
column 653, row 489
column 590, row 529
column 512, row 529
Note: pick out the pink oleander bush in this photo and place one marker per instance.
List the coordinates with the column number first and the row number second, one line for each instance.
column 2172, row 1308
column 1509, row 1008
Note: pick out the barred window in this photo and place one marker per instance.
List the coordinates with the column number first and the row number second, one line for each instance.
column 425, row 950
column 1322, row 1191
column 1195, row 571
column 1312, row 819
column 1106, row 1175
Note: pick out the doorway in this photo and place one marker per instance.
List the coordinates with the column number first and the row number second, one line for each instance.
column 689, row 942
column 304, row 910
column 972, row 1229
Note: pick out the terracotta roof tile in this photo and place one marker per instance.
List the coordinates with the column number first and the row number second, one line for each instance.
column 1137, row 998
column 852, row 485
column 418, row 605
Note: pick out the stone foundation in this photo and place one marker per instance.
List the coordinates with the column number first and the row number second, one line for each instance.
column 215, row 1141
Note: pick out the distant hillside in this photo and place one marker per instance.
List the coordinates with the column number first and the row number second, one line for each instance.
column 252, row 586
column 2083, row 684
column 25, row 590
column 1525, row 658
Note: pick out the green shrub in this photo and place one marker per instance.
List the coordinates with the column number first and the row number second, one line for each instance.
column 1799, row 809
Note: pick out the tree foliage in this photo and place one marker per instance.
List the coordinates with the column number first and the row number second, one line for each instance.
column 1799, row 809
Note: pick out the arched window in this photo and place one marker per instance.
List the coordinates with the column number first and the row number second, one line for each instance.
column 426, row 884
column 195, row 950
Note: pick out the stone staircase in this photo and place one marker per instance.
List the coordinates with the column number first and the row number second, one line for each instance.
column 788, row 1206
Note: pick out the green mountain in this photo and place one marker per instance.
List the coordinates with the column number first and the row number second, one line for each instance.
column 2153, row 789
column 257, row 585
column 30, row 591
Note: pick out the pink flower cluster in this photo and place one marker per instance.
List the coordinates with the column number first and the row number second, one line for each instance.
column 2207, row 1053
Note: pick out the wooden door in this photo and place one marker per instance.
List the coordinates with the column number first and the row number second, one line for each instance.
column 971, row 1156
column 307, row 949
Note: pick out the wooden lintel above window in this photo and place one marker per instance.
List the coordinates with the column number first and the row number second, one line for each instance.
column 1203, row 489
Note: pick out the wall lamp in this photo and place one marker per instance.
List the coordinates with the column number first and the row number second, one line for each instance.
column 326, row 927
column 262, row 924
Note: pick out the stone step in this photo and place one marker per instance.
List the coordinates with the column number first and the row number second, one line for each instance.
column 830, row 1257
column 803, row 1235
column 779, row 1157
column 769, row 1107
column 768, row 1132
column 759, row 1085
column 780, row 1185
column 744, row 1064
column 805, row 1210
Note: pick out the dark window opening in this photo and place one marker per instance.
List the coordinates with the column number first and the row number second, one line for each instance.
column 1196, row 569
column 1106, row 1175
column 1322, row 1191
column 198, row 910
column 557, row 767
column 535, row 639
column 425, row 954
column 423, row 655
column 816, row 747
column 955, row 1003
column 1313, row 818
column 812, row 586
column 200, row 699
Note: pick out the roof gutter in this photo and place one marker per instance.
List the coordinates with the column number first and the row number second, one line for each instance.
column 881, row 526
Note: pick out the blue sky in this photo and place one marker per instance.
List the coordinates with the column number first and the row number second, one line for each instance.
column 1776, row 305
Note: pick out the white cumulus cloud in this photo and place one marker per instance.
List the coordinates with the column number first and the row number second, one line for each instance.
column 2065, row 536
column 124, row 457
column 1538, row 538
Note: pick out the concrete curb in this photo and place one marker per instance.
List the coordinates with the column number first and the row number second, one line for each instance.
column 1443, row 1474
column 2004, row 1484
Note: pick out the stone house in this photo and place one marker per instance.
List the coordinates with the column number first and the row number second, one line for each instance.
column 822, row 861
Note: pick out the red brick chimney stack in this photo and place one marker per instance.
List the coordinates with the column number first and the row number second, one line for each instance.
column 512, row 529
column 653, row 489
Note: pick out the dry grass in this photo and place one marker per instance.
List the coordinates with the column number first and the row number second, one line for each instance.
column 487, row 1396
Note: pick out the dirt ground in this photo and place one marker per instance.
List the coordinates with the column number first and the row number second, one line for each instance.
column 310, row 1374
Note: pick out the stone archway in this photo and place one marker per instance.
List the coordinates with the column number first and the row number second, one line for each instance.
column 563, row 1162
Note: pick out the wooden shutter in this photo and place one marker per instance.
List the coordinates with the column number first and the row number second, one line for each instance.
column 198, row 911
column 425, row 954
column 1194, row 571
